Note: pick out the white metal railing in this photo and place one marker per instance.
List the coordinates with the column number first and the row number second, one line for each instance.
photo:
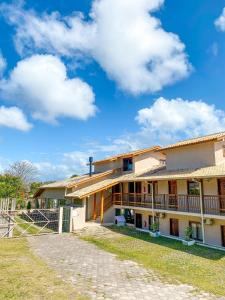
column 20, row 223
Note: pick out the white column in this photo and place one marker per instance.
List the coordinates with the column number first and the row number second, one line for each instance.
column 60, row 219
column 153, row 212
column 71, row 219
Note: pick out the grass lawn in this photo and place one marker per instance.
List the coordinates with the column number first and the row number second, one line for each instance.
column 25, row 276
column 199, row 266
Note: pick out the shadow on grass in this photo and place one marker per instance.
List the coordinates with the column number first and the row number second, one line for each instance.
column 196, row 250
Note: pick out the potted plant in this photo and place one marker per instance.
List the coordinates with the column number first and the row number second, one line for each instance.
column 154, row 230
column 187, row 237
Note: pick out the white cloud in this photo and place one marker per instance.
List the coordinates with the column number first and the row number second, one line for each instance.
column 13, row 117
column 2, row 64
column 220, row 21
column 40, row 82
column 166, row 121
column 163, row 122
column 122, row 36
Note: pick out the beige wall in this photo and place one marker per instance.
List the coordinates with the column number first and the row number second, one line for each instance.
column 147, row 161
column 109, row 215
column 190, row 157
column 182, row 187
column 141, row 162
column 108, row 166
column 210, row 186
column 163, row 187
column 212, row 232
column 53, row 193
column 219, row 152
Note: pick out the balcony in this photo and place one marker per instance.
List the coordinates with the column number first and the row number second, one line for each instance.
column 212, row 205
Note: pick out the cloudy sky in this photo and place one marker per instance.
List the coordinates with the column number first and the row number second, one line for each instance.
column 82, row 77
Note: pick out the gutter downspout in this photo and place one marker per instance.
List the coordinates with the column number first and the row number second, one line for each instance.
column 202, row 211
column 153, row 212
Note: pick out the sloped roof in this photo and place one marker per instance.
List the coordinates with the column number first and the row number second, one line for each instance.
column 94, row 188
column 127, row 154
column 198, row 140
column 71, row 182
column 164, row 174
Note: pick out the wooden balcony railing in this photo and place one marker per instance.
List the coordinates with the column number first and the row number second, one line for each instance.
column 213, row 205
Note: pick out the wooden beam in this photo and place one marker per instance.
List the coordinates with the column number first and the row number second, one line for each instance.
column 94, row 213
column 102, row 208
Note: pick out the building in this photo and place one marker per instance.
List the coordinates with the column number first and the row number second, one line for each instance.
column 177, row 186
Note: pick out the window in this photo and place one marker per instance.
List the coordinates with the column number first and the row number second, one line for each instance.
column 150, row 222
column 149, row 187
column 196, row 231
column 193, row 188
column 127, row 164
column 129, row 216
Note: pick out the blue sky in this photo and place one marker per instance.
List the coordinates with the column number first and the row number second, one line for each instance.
column 121, row 76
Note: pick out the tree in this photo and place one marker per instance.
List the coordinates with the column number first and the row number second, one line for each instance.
column 75, row 175
column 10, row 186
column 34, row 186
column 24, row 170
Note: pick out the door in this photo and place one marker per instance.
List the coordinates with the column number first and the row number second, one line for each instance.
column 196, row 231
column 174, row 227
column 138, row 221
column 221, row 185
column 172, row 185
column 223, row 235
column 66, row 219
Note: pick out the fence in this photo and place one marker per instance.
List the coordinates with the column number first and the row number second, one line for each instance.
column 27, row 222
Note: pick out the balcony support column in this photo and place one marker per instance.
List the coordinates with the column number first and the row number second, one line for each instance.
column 202, row 210
column 134, row 191
column 102, row 207
column 153, row 211
column 94, row 213
column 121, row 193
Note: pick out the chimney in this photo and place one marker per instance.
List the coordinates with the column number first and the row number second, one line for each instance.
column 90, row 165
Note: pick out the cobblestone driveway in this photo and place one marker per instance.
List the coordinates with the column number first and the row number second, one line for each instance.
column 100, row 275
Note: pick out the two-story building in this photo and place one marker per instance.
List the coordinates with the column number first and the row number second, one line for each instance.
column 176, row 186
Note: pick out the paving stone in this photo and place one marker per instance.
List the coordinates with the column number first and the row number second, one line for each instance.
column 100, row 275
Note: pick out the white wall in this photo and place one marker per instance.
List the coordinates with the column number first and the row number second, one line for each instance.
column 78, row 220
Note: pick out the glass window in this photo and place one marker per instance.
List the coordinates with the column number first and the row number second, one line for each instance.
column 149, row 187
column 117, row 212
column 193, row 188
column 196, row 231
column 129, row 216
column 150, row 222
column 127, row 164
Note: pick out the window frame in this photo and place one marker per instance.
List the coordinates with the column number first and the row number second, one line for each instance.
column 189, row 182
column 128, row 164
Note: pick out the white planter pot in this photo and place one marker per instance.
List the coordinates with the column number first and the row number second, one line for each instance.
column 188, row 243
column 154, row 233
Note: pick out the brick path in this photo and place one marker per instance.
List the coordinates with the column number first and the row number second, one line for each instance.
column 100, row 275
